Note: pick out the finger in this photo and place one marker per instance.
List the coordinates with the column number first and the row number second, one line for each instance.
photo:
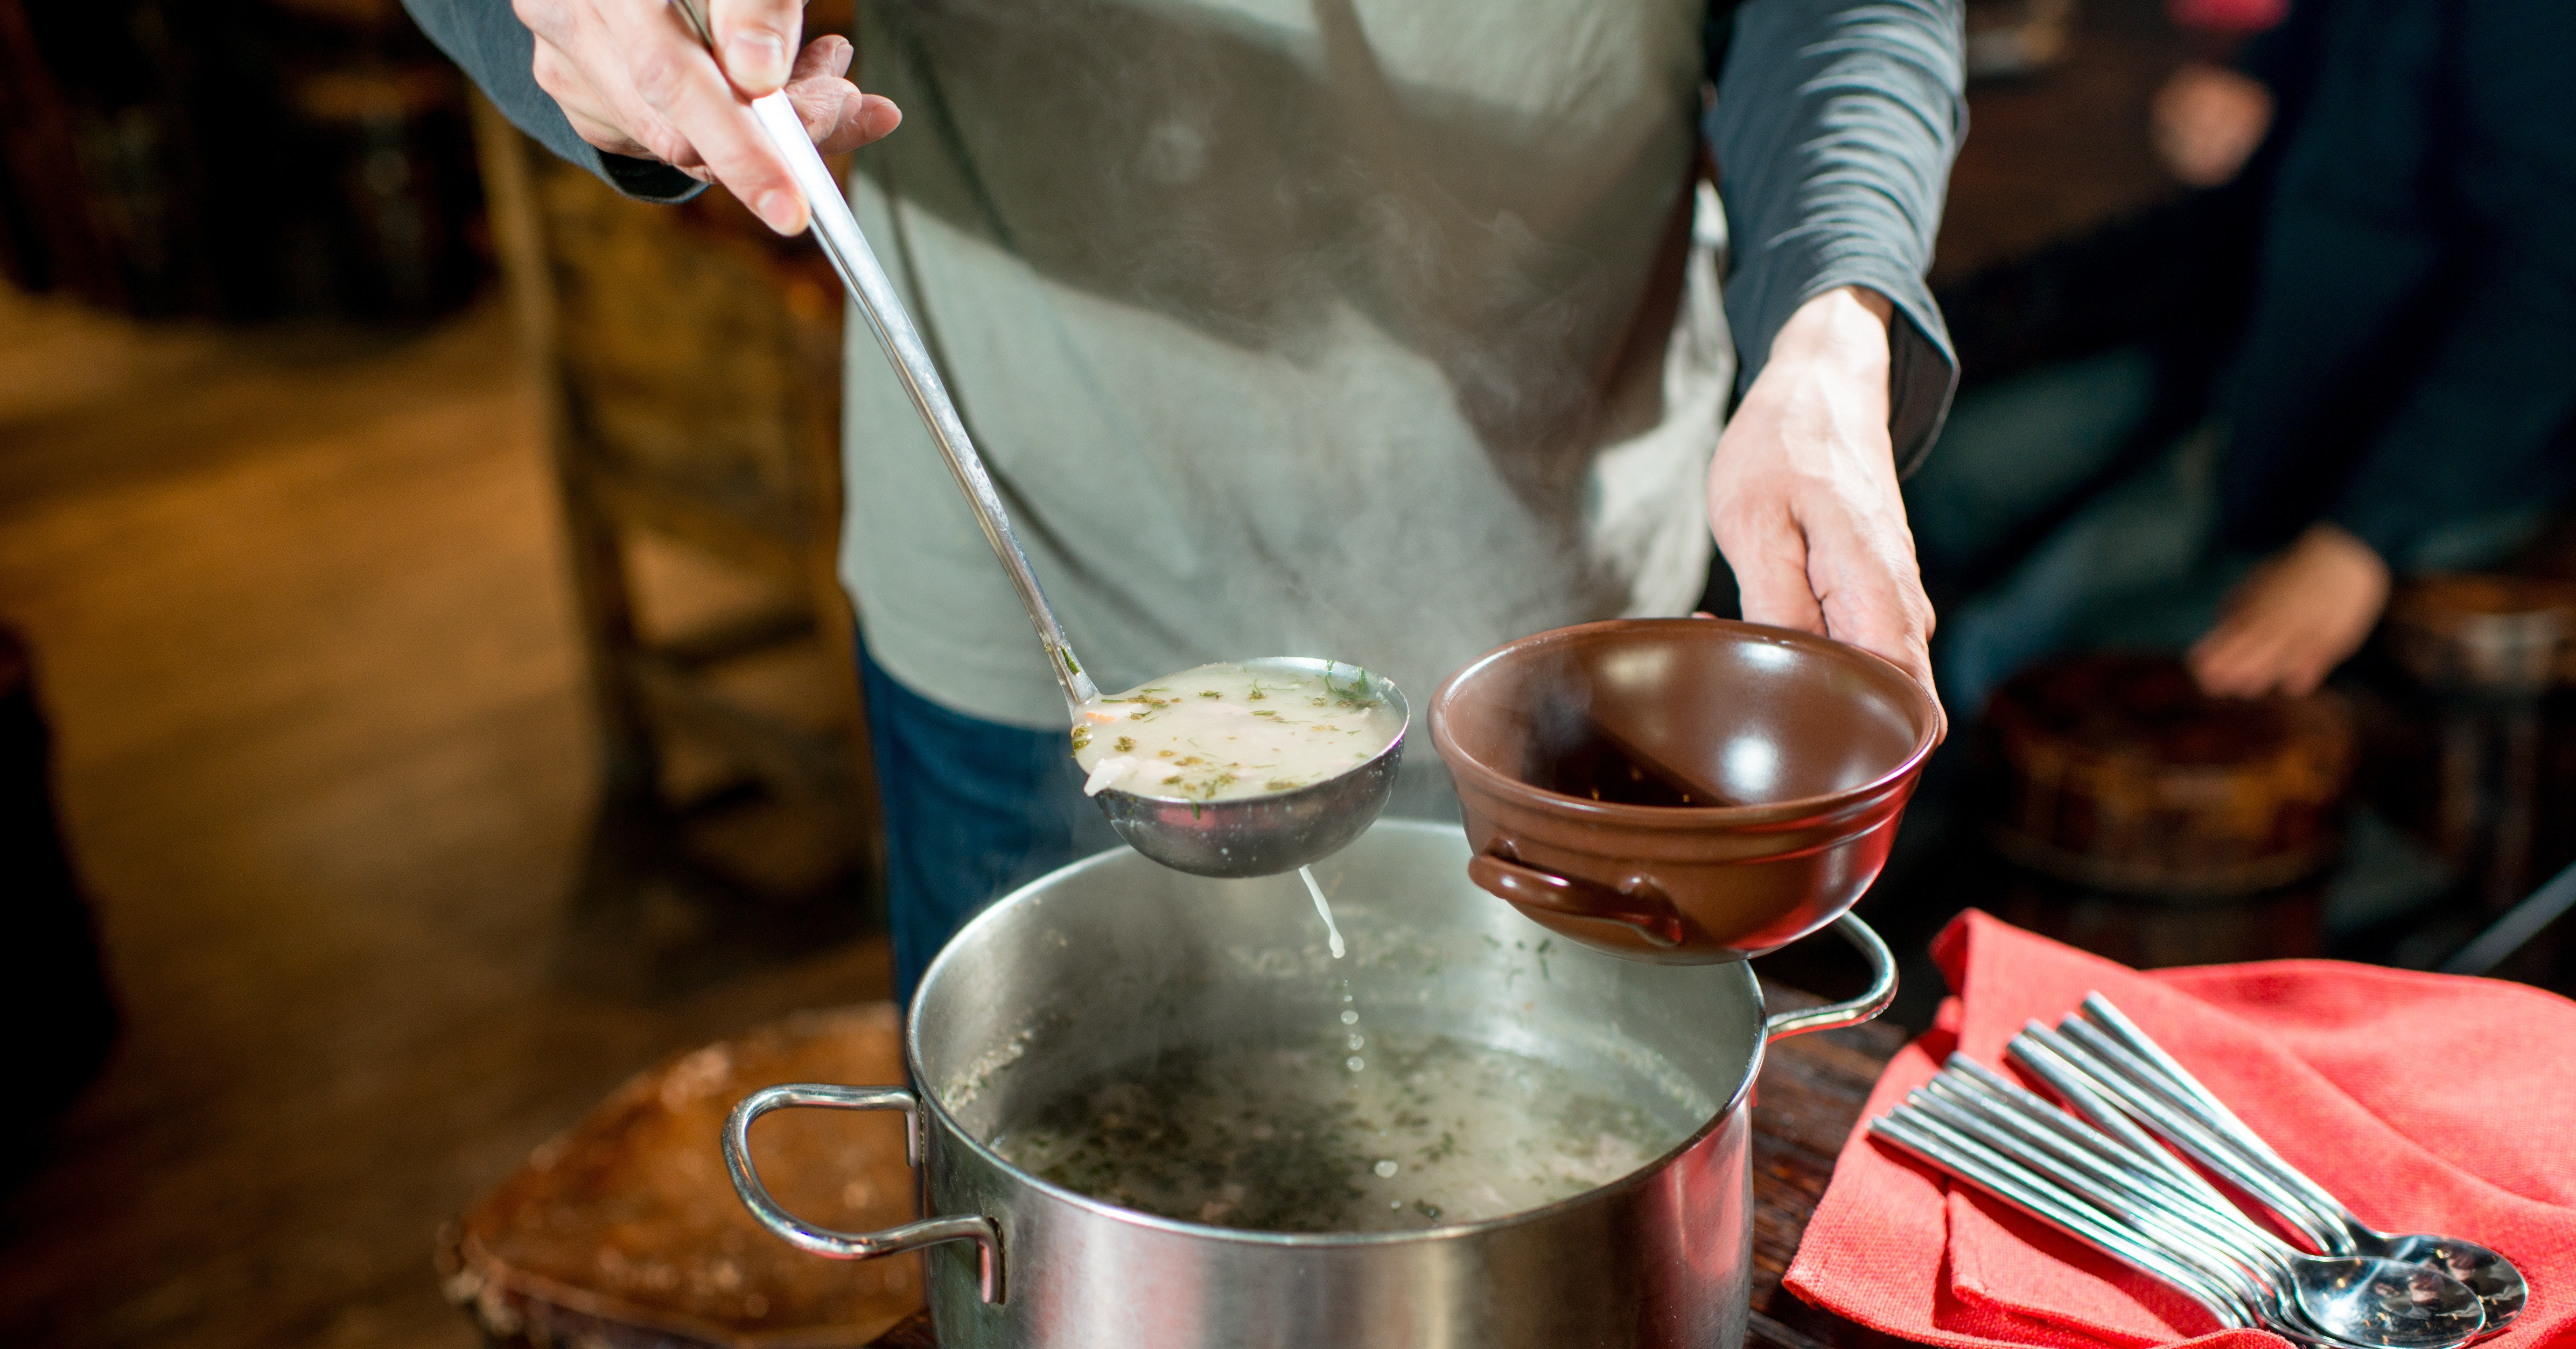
column 826, row 57
column 824, row 101
column 757, row 39
column 856, row 120
column 2304, row 673
column 878, row 116
column 2241, row 661
column 1862, row 570
column 679, row 82
column 836, row 115
column 2217, row 660
column 1887, row 615
column 862, row 120
column 1770, row 566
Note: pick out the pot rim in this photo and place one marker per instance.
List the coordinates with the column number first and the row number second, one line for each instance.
column 930, row 1101
column 1505, row 785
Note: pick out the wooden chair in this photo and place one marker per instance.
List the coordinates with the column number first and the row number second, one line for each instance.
column 689, row 365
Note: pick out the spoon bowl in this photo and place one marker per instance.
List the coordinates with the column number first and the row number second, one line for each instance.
column 2373, row 1300
column 2493, row 1278
column 1263, row 835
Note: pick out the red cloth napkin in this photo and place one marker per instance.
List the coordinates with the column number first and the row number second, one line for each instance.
column 2426, row 1102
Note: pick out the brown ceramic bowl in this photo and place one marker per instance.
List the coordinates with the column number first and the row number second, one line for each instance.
column 1687, row 791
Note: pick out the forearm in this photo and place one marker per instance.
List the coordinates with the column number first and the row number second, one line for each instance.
column 1834, row 128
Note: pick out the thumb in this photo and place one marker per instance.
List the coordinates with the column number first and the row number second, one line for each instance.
column 756, row 40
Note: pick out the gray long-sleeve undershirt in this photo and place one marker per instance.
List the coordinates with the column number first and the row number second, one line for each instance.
column 1833, row 129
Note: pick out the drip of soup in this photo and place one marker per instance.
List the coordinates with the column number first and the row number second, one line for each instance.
column 1221, row 732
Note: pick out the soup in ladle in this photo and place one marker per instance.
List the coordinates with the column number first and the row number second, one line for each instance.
column 1225, row 732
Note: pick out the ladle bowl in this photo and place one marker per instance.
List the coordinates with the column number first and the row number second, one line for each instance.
column 1685, row 791
column 1265, row 835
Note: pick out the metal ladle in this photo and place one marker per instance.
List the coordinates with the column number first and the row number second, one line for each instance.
column 1245, row 836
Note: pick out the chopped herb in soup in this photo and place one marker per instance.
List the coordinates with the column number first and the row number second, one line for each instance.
column 1401, row 1132
column 1224, row 731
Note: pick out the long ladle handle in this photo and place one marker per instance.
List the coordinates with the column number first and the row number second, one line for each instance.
column 838, row 232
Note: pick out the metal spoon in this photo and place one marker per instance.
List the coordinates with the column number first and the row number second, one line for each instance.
column 2497, row 1283
column 2181, row 1266
column 2286, row 1284
column 1245, row 836
column 2348, row 1300
column 2050, row 1204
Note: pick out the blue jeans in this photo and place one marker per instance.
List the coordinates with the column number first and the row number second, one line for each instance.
column 973, row 810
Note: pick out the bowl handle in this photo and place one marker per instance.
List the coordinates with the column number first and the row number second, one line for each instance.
column 1574, row 897
column 824, row 1241
column 1871, row 1002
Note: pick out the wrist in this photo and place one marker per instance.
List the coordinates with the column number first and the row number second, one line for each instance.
column 1843, row 331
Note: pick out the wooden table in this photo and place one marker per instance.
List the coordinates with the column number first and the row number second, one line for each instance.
column 1806, row 1103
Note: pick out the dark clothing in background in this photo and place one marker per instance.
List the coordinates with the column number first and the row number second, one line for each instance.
column 961, row 824
column 2374, row 325
column 2380, row 310
column 2411, row 355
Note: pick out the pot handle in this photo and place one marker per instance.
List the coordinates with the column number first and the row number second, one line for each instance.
column 1871, row 1002
column 1517, row 881
column 824, row 1241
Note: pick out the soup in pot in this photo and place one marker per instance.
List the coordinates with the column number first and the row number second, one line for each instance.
column 1400, row 1131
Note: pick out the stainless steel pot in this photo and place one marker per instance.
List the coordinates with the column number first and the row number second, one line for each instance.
column 1114, row 958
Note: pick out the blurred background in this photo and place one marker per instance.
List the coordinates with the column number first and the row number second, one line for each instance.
column 426, row 701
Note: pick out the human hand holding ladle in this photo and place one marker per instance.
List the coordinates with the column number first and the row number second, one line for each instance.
column 1209, row 835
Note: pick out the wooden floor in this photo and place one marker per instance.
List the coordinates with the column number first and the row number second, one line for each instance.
column 300, row 619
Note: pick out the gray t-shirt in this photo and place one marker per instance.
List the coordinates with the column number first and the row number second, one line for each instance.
column 1380, row 329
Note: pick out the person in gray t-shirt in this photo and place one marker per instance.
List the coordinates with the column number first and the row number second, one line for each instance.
column 1382, row 329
